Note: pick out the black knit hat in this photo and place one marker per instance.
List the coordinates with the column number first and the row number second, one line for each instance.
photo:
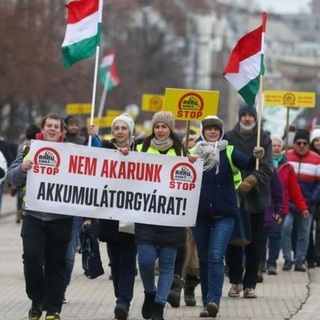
column 72, row 119
column 301, row 134
column 212, row 121
column 244, row 108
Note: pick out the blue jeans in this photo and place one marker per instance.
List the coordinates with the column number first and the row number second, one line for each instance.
column 212, row 241
column 303, row 229
column 147, row 255
column 272, row 239
column 72, row 247
column 122, row 258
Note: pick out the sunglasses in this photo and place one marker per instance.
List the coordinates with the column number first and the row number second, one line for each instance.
column 301, row 143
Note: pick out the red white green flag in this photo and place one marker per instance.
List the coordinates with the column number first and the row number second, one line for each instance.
column 108, row 75
column 246, row 63
column 83, row 31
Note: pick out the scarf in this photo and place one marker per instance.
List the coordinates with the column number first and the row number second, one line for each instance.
column 161, row 145
column 276, row 160
column 210, row 153
column 39, row 136
column 130, row 144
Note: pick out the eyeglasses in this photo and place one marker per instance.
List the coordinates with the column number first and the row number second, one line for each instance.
column 301, row 143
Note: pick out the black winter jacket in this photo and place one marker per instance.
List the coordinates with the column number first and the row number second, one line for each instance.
column 258, row 199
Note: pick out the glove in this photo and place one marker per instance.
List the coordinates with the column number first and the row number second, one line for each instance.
column 258, row 152
column 247, row 184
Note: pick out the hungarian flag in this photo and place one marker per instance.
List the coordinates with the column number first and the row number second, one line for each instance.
column 246, row 63
column 108, row 75
column 83, row 30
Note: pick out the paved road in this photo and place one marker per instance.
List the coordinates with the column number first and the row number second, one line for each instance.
column 289, row 295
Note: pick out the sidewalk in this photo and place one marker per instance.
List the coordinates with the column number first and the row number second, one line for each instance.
column 289, row 295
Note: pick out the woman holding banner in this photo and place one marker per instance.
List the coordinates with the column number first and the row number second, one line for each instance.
column 218, row 206
column 155, row 241
column 121, row 247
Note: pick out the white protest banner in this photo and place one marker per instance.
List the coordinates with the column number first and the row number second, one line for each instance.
column 103, row 183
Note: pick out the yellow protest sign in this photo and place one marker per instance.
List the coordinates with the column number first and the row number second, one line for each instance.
column 113, row 113
column 290, row 99
column 78, row 108
column 152, row 102
column 103, row 122
column 188, row 104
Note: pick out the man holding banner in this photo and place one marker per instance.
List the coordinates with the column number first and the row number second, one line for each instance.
column 45, row 236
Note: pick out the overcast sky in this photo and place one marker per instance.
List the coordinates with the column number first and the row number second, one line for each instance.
column 284, row 6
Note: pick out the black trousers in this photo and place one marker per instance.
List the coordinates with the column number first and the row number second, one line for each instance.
column 248, row 258
column 122, row 257
column 45, row 246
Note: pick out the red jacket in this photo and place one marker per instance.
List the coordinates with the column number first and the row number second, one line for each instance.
column 291, row 188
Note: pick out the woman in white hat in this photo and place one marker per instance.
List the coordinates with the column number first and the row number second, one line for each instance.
column 121, row 247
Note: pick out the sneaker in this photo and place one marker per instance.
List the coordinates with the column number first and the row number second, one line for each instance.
column 35, row 311
column 53, row 316
column 299, row 266
column 204, row 313
column 235, row 290
column 249, row 293
column 121, row 312
column 272, row 271
column 212, row 309
column 259, row 276
column 287, row 265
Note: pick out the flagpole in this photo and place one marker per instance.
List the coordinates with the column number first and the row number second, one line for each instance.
column 94, row 90
column 259, row 117
column 187, row 134
column 103, row 97
column 95, row 77
column 260, row 97
column 287, row 130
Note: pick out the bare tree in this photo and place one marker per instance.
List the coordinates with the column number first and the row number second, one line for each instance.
column 33, row 80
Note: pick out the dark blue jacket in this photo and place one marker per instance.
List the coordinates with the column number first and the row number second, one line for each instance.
column 218, row 195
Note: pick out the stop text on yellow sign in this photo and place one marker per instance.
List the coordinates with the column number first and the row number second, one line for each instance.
column 293, row 99
column 193, row 105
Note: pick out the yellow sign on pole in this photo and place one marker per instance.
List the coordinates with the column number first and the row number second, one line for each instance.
column 290, row 99
column 103, row 122
column 114, row 113
column 78, row 108
column 152, row 102
column 188, row 104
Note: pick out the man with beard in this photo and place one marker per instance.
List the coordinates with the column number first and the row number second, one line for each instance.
column 254, row 196
column 72, row 131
